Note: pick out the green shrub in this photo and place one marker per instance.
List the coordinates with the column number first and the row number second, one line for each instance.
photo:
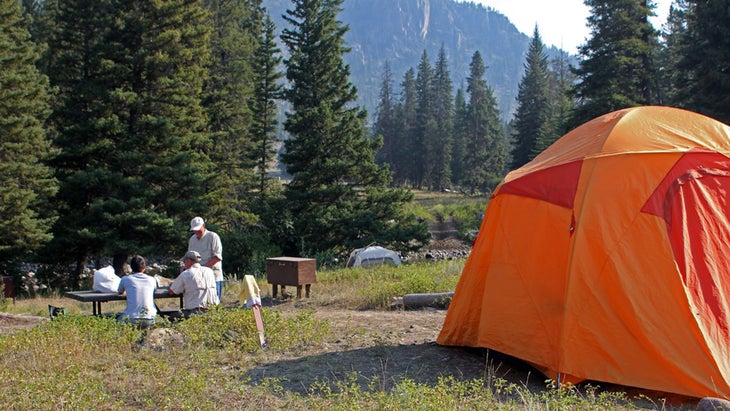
column 246, row 251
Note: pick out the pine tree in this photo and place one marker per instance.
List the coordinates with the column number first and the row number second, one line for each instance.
column 41, row 26
column 267, row 91
column 441, row 141
column 617, row 69
column 532, row 119
column 229, row 86
column 27, row 183
column 671, row 53
column 423, row 152
column 561, row 80
column 458, row 149
column 484, row 140
column 130, row 125
column 385, row 121
column 338, row 196
column 406, row 113
column 702, row 80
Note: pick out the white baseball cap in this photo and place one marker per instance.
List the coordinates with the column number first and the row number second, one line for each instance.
column 196, row 223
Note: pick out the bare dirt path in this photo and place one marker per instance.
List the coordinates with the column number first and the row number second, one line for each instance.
column 10, row 322
column 381, row 348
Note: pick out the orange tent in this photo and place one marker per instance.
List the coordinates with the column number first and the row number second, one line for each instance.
column 607, row 257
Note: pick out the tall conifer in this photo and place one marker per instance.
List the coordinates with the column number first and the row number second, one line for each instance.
column 263, row 105
column 702, row 51
column 131, row 130
column 27, row 183
column 458, row 149
column 338, row 197
column 423, row 152
column 532, row 118
column 484, row 140
column 228, row 88
column 385, row 121
column 442, row 139
column 617, row 69
column 406, row 112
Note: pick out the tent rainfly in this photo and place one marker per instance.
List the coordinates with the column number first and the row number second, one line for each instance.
column 606, row 257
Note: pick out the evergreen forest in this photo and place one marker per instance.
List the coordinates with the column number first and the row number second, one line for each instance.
column 121, row 120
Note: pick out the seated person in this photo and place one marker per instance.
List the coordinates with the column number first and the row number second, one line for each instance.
column 196, row 284
column 140, row 290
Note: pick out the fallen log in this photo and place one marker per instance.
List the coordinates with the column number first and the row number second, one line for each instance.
column 436, row 300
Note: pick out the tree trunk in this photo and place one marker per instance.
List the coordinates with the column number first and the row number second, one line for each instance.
column 119, row 262
column 75, row 280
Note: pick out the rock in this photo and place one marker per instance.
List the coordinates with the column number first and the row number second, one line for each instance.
column 713, row 404
column 160, row 339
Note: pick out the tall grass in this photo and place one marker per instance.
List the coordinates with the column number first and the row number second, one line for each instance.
column 375, row 288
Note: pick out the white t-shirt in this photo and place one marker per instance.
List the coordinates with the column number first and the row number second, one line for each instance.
column 197, row 285
column 208, row 246
column 140, row 290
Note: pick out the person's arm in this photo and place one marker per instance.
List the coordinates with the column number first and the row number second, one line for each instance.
column 216, row 251
column 177, row 286
column 213, row 261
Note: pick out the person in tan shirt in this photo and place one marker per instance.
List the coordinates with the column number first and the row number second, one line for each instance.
column 196, row 284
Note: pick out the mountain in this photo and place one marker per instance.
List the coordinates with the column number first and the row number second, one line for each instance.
column 398, row 31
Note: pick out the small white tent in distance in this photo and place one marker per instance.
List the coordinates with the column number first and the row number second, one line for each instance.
column 371, row 256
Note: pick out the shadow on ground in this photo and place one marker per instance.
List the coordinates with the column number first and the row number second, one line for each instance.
column 382, row 367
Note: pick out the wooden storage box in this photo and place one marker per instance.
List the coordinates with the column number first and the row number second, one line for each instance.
column 283, row 271
column 291, row 270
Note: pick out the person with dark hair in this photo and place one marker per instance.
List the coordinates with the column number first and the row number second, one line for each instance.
column 140, row 291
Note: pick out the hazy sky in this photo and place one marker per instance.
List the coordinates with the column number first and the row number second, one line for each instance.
column 562, row 23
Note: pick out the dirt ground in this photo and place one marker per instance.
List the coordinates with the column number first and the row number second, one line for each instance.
column 383, row 348
column 10, row 322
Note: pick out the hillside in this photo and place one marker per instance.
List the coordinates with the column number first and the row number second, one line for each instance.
column 398, row 31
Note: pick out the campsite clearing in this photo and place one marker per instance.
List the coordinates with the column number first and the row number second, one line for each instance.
column 388, row 346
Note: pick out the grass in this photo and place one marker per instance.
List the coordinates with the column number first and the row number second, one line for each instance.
column 214, row 362
column 375, row 288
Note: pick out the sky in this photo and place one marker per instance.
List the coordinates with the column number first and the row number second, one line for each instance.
column 562, row 23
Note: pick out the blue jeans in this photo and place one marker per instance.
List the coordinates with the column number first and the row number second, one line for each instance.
column 219, row 289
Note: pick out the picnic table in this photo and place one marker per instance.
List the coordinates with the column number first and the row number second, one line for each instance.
column 96, row 298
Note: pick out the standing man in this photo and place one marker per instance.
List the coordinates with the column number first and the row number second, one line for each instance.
column 197, row 285
column 210, row 248
column 140, row 290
